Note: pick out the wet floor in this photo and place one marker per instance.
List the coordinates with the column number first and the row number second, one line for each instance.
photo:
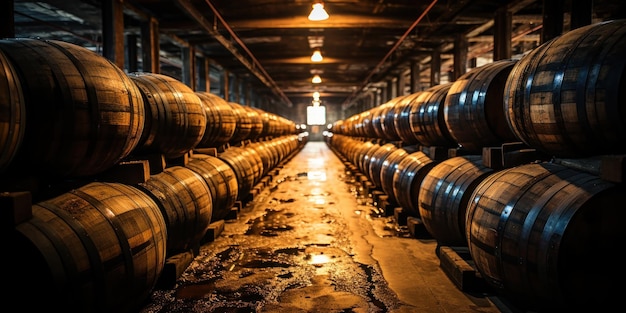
column 312, row 241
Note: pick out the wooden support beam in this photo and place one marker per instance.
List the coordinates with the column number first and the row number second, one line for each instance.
column 113, row 31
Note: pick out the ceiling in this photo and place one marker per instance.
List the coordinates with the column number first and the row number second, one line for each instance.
column 268, row 43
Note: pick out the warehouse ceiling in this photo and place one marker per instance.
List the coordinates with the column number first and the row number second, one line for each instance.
column 267, row 44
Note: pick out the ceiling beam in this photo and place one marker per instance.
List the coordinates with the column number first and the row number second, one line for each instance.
column 335, row 21
column 307, row 60
column 192, row 12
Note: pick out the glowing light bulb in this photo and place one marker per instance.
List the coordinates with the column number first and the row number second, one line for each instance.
column 318, row 13
column 317, row 56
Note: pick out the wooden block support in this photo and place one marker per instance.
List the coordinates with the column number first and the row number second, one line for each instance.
column 232, row 214
column 208, row 151
column 399, row 216
column 179, row 161
column 15, row 207
column 174, row 267
column 460, row 272
column 613, row 168
column 437, row 153
column 128, row 172
column 416, row 228
column 492, row 157
column 214, row 231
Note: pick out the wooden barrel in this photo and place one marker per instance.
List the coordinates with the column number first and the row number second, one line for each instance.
column 267, row 153
column 256, row 122
column 221, row 180
column 243, row 169
column 444, row 197
column 543, row 234
column 268, row 122
column 366, row 160
column 244, row 123
column 176, row 120
column 407, row 179
column 186, row 203
column 256, row 160
column 473, row 109
column 13, row 117
column 378, row 114
column 83, row 114
column 220, row 120
column 389, row 167
column 376, row 162
column 97, row 248
column 402, row 118
column 427, row 120
column 387, row 116
column 566, row 97
column 360, row 151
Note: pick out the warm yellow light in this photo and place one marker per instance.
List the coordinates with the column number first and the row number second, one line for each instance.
column 316, row 95
column 316, row 103
column 316, row 79
column 318, row 13
column 317, row 56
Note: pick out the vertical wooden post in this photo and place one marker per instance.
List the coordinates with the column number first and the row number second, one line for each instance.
column 552, row 19
column 416, row 69
column 113, row 31
column 502, row 34
column 435, row 68
column 131, row 52
column 460, row 56
column 7, row 19
column 150, row 46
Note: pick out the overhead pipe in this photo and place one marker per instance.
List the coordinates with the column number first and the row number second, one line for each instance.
column 273, row 84
column 377, row 67
column 252, row 67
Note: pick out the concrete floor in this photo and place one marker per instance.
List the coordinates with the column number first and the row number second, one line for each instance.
column 309, row 242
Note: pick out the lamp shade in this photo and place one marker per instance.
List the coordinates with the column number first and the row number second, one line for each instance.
column 317, row 56
column 318, row 13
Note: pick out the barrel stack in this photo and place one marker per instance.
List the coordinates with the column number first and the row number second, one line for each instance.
column 527, row 183
column 109, row 178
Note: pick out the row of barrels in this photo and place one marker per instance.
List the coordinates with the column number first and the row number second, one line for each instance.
column 69, row 112
column 102, row 247
column 540, row 233
column 564, row 98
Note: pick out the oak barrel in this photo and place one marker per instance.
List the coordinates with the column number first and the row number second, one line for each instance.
column 186, row 203
column 427, row 117
column 175, row 121
column 244, row 123
column 97, row 248
column 376, row 162
column 13, row 116
column 444, row 196
column 221, row 122
column 83, row 114
column 473, row 108
column 407, row 180
column 389, row 167
column 567, row 97
column 545, row 236
column 243, row 168
column 402, row 118
column 221, row 180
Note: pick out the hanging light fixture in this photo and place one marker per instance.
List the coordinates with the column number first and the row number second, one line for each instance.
column 316, row 95
column 316, row 79
column 318, row 13
column 317, row 56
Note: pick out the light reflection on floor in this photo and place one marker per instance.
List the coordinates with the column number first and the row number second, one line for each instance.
column 316, row 175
